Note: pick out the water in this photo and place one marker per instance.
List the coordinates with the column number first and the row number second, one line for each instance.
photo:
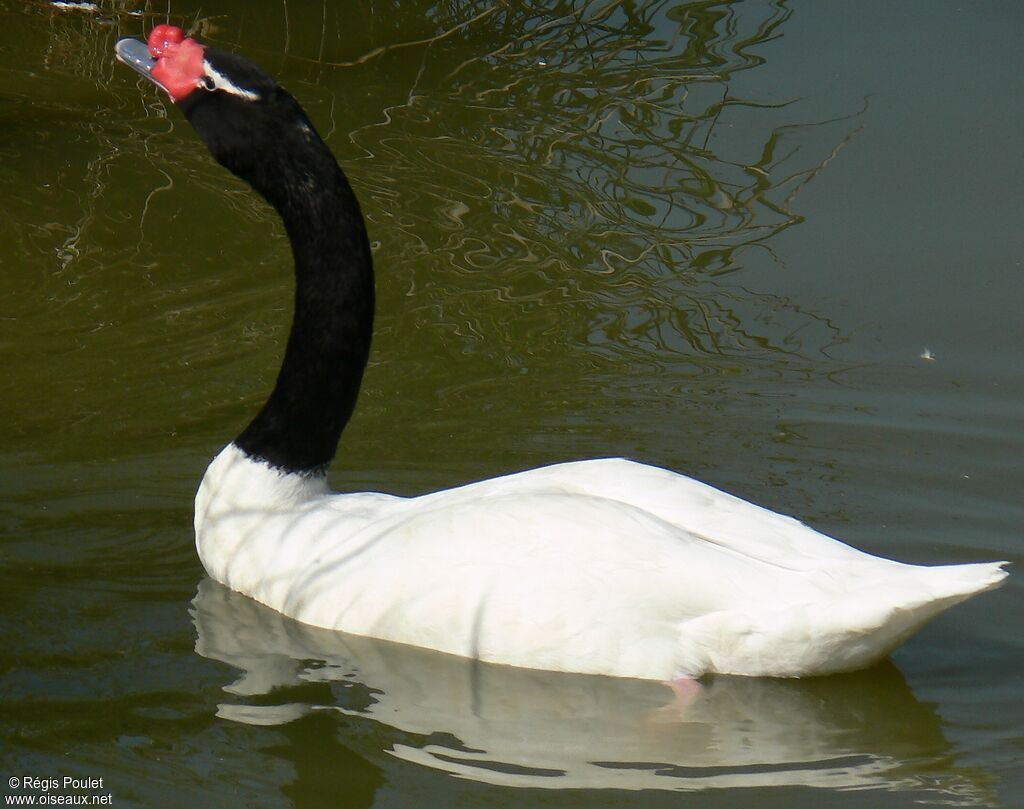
column 720, row 238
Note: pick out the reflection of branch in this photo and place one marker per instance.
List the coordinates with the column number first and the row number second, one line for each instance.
column 810, row 175
column 381, row 50
column 145, row 209
column 597, row 134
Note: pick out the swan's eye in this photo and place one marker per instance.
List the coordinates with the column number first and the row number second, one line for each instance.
column 209, row 84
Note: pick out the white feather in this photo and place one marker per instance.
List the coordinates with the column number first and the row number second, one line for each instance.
column 218, row 81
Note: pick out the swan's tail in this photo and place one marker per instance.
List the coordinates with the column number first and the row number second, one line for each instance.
column 850, row 632
column 905, row 603
column 951, row 584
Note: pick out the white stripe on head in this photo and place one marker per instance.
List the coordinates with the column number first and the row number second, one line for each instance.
column 222, row 82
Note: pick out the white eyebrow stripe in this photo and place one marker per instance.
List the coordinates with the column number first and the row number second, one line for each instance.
column 222, row 82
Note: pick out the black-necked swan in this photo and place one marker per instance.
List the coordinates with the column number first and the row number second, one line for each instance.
column 602, row 567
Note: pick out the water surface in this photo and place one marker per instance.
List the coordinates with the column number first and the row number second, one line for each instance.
column 772, row 245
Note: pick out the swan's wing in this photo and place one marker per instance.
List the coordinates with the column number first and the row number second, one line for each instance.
column 697, row 508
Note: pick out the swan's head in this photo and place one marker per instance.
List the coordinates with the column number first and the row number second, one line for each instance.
column 242, row 114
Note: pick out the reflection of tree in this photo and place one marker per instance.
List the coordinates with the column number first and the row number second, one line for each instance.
column 576, row 171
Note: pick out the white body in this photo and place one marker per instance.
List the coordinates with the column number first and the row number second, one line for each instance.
column 599, row 567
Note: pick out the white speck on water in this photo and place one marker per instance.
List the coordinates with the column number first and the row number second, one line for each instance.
column 927, row 355
column 71, row 6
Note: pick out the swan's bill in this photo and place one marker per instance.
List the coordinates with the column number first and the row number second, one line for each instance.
column 136, row 55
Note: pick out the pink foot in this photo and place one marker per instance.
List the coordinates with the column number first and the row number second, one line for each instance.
column 685, row 688
column 684, row 691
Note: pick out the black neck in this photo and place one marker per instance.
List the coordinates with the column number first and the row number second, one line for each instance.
column 299, row 426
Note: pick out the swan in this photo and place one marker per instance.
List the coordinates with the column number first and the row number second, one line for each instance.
column 605, row 566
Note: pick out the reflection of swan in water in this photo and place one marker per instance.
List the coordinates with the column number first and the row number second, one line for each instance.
column 522, row 727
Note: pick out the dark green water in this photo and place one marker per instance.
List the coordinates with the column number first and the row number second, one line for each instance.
column 717, row 237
